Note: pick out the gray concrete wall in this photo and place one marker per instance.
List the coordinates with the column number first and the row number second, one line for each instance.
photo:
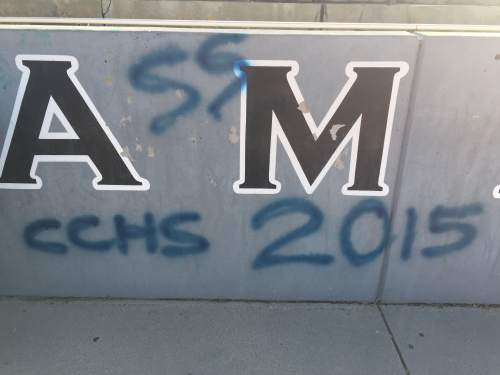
column 400, row 11
column 437, row 243
column 443, row 245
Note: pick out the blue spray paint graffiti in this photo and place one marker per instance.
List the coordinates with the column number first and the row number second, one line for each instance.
column 410, row 233
column 35, row 228
column 268, row 257
column 216, row 62
column 442, row 220
column 368, row 206
column 168, row 227
column 82, row 223
column 438, row 225
column 124, row 233
column 144, row 76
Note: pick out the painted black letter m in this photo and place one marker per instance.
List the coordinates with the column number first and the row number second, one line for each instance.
column 272, row 109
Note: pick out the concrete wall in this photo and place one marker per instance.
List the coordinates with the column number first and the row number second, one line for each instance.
column 442, row 215
column 168, row 97
column 399, row 11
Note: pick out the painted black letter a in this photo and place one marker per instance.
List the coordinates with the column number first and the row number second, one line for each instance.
column 49, row 88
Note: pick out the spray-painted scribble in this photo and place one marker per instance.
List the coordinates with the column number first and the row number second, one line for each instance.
column 445, row 219
column 33, row 231
column 129, row 231
column 81, row 224
column 39, row 234
column 367, row 206
column 410, row 233
column 268, row 256
column 193, row 243
column 77, row 235
column 216, row 62
column 144, row 75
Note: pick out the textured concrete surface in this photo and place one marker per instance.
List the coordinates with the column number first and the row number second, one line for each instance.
column 413, row 13
column 439, row 12
column 50, row 8
column 450, row 340
column 214, row 10
column 124, row 337
column 443, row 101
column 107, row 337
column 399, row 11
column 448, row 254
column 192, row 169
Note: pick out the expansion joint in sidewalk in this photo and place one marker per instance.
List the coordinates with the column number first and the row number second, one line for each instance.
column 393, row 339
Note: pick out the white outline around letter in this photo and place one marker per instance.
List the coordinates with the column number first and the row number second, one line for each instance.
column 44, row 134
column 316, row 130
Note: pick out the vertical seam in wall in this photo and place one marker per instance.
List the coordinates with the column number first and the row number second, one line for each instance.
column 402, row 159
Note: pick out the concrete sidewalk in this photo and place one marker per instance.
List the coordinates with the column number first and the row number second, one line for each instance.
column 204, row 338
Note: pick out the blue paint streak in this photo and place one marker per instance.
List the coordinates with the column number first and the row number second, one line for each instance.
column 268, row 257
column 233, row 89
column 80, row 224
column 410, row 233
column 168, row 227
column 126, row 232
column 367, row 206
column 215, row 106
column 467, row 232
column 142, row 77
column 216, row 62
column 164, row 121
column 141, row 74
column 35, row 228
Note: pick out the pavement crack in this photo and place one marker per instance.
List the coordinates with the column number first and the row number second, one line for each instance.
column 393, row 339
